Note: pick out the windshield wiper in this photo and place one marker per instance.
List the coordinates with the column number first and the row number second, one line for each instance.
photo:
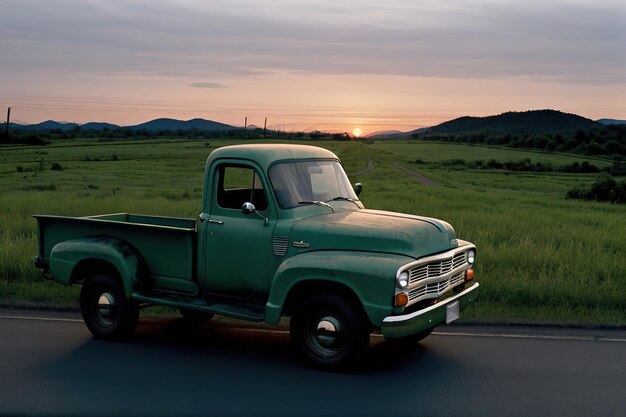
column 352, row 200
column 318, row 203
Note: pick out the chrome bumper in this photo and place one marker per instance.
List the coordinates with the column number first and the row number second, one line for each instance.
column 405, row 325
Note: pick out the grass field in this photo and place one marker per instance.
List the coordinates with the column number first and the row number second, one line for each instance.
column 540, row 257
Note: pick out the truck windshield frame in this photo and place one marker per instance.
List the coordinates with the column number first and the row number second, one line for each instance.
column 321, row 180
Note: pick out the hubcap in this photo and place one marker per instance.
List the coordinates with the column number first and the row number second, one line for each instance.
column 106, row 308
column 327, row 336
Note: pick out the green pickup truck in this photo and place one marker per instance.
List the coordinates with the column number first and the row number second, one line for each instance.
column 281, row 233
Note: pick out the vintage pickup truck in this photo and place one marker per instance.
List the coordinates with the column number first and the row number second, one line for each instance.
column 281, row 233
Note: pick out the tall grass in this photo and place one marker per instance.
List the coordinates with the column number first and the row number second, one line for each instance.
column 540, row 256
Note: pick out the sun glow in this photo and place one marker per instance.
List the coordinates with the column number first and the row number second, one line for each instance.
column 357, row 132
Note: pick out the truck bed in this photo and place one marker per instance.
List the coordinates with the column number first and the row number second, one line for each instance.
column 167, row 244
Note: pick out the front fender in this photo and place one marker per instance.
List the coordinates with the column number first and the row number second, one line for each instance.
column 66, row 256
column 371, row 276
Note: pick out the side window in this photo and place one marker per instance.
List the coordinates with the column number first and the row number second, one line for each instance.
column 238, row 184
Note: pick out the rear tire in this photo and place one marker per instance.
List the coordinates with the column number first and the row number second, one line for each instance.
column 329, row 332
column 106, row 310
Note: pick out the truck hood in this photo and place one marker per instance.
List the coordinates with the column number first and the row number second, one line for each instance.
column 374, row 231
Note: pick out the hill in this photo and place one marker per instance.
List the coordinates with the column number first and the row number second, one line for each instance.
column 153, row 125
column 533, row 121
column 174, row 124
column 545, row 130
column 45, row 126
column 387, row 134
column 98, row 126
column 610, row 122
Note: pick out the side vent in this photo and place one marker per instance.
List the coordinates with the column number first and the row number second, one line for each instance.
column 280, row 244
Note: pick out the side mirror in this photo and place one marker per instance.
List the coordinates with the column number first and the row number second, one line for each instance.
column 358, row 188
column 248, row 208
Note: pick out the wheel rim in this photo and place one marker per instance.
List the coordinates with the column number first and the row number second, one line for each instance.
column 106, row 309
column 326, row 335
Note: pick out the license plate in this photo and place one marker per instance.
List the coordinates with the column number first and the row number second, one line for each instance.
column 452, row 312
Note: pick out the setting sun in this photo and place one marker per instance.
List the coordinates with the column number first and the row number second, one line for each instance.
column 357, row 132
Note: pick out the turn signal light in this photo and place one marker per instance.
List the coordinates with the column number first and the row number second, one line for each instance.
column 469, row 274
column 402, row 299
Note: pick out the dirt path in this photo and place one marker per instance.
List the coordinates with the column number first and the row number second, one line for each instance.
column 370, row 166
column 418, row 177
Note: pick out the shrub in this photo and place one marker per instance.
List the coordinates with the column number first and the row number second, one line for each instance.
column 605, row 188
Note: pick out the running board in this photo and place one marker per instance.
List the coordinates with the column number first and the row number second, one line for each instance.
column 244, row 311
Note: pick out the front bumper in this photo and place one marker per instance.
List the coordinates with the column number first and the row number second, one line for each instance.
column 408, row 324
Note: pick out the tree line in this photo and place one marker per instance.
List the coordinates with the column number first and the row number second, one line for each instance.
column 28, row 137
column 526, row 165
column 609, row 141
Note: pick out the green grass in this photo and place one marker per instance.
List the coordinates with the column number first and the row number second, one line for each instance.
column 540, row 257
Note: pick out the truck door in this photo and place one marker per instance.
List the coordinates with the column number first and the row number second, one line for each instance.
column 237, row 245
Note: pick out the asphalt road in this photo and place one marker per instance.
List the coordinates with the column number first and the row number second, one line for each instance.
column 50, row 365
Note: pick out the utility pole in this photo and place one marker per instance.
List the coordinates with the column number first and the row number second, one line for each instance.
column 245, row 128
column 8, row 117
column 264, row 128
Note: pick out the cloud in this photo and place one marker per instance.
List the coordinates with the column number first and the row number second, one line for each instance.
column 208, row 85
column 568, row 41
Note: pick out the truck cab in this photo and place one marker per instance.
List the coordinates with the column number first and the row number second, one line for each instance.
column 281, row 232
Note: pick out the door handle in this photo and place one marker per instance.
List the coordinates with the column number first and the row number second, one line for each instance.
column 203, row 217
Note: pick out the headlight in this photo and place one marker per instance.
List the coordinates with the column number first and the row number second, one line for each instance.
column 403, row 279
column 471, row 256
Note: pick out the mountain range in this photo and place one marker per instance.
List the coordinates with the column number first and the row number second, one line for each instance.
column 550, row 121
column 532, row 121
column 609, row 122
column 152, row 125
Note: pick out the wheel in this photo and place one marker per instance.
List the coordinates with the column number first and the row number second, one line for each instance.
column 329, row 332
column 106, row 310
column 195, row 316
column 410, row 340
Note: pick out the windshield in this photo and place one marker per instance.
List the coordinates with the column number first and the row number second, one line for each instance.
column 297, row 183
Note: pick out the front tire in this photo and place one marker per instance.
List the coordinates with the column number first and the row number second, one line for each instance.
column 106, row 310
column 329, row 332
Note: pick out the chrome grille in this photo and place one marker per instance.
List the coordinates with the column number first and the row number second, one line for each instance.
column 280, row 244
column 436, row 269
column 433, row 276
column 436, row 289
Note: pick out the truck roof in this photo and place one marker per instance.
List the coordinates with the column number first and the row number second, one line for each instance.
column 266, row 154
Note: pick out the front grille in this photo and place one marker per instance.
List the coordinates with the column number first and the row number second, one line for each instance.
column 436, row 289
column 280, row 244
column 433, row 276
column 436, row 269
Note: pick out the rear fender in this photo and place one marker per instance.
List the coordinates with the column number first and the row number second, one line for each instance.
column 67, row 257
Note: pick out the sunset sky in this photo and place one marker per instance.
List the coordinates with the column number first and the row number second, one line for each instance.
column 326, row 65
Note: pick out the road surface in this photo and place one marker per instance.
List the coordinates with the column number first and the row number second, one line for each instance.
column 50, row 365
